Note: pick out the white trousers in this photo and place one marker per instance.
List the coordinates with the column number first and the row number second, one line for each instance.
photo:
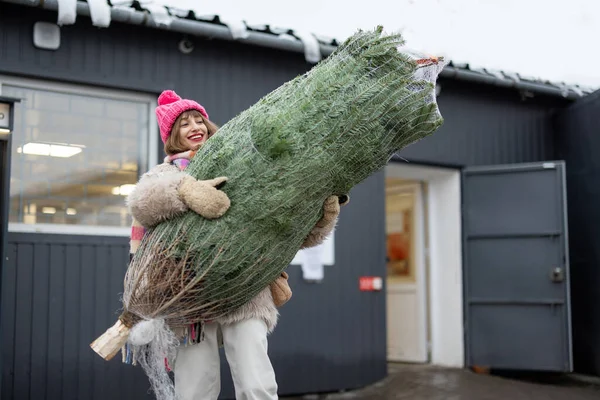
column 197, row 368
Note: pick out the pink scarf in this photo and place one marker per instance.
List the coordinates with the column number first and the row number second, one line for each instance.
column 182, row 160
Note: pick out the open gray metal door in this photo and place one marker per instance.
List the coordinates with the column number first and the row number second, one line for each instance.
column 516, row 271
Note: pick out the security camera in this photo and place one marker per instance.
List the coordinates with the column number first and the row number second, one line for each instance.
column 186, row 46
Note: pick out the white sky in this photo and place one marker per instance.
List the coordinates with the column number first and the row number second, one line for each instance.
column 549, row 39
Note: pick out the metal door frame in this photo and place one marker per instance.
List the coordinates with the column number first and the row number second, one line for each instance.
column 5, row 143
column 5, row 149
column 560, row 167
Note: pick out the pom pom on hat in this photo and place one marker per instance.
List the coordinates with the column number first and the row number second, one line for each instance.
column 170, row 107
column 168, row 97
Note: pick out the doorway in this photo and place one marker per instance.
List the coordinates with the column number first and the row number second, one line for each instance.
column 424, row 288
column 406, row 271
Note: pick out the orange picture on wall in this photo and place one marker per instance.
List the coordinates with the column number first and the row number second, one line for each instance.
column 399, row 235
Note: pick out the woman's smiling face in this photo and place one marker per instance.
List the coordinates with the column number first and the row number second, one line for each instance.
column 193, row 131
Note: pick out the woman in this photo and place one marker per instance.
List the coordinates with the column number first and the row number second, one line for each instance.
column 167, row 191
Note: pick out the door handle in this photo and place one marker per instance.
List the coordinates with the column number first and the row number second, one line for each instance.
column 557, row 275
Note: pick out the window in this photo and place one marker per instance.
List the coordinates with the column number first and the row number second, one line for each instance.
column 75, row 156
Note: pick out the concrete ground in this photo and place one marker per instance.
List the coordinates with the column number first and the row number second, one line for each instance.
column 422, row 382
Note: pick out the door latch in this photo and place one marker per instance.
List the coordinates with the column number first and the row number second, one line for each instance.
column 557, row 274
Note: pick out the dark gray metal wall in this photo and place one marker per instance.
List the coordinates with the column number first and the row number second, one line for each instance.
column 58, row 292
column 487, row 125
column 578, row 143
column 63, row 290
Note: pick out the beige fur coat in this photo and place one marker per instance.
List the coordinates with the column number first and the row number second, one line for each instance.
column 158, row 196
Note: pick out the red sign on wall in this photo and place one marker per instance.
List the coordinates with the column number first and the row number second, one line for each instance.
column 370, row 283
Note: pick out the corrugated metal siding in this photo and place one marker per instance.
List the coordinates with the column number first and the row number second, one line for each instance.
column 577, row 143
column 487, row 126
column 58, row 294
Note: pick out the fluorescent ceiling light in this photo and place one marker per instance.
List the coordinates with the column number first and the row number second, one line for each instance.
column 48, row 210
column 4, row 131
column 52, row 150
column 71, row 211
column 123, row 190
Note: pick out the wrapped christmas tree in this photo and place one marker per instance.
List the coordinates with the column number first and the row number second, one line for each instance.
column 318, row 135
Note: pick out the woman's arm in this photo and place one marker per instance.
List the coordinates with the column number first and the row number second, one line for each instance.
column 165, row 192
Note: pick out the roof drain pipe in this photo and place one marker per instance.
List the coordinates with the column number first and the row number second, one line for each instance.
column 475, row 77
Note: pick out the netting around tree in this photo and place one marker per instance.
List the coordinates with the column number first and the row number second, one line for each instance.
column 318, row 135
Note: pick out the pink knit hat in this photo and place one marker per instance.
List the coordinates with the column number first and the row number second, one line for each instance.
column 171, row 106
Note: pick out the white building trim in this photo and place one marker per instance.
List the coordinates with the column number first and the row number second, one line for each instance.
column 445, row 285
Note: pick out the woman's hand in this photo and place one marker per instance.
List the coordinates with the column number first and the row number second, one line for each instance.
column 325, row 225
column 204, row 197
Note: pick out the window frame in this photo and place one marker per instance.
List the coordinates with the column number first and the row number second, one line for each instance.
column 151, row 158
